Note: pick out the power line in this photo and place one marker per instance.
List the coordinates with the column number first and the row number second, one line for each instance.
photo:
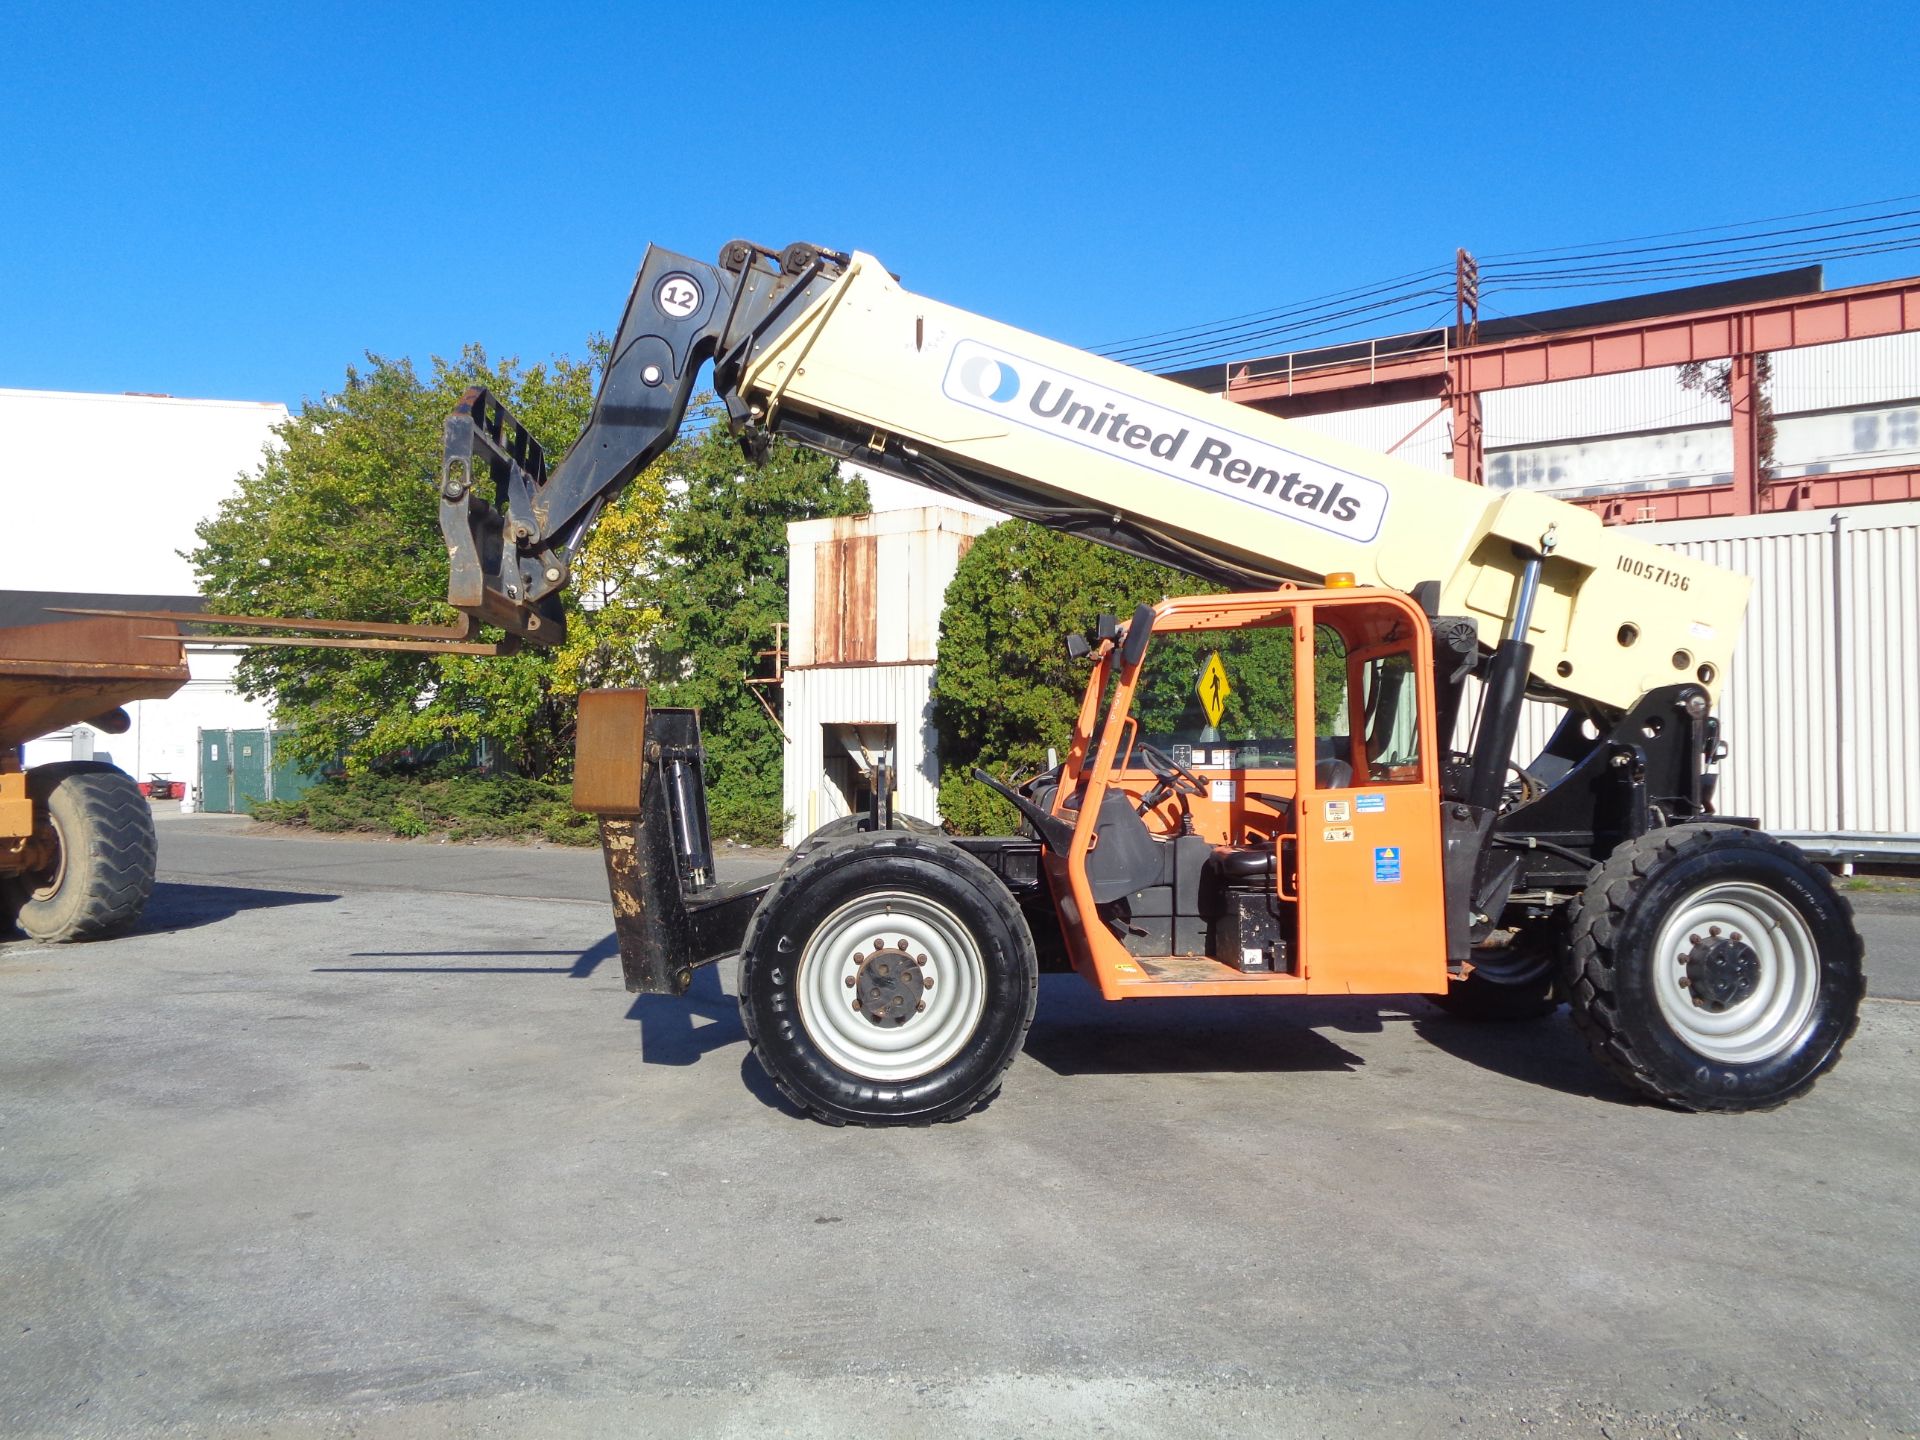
column 1707, row 229
column 1258, row 319
column 1719, row 247
column 1204, row 355
column 1625, row 261
column 1574, row 280
column 1379, row 309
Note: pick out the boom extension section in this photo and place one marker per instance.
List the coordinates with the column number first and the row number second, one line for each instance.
column 828, row 350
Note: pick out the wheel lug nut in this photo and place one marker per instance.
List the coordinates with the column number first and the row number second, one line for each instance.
column 899, row 944
column 921, row 1006
column 851, row 982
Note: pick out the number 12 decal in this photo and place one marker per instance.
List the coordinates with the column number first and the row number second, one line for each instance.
column 678, row 296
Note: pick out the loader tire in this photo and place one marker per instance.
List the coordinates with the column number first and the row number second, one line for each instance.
column 1714, row 968
column 1519, row 981
column 102, row 874
column 887, row 979
column 845, row 825
column 1480, row 999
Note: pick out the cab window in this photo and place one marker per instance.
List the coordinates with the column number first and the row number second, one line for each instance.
column 1219, row 697
column 1389, row 701
column 1225, row 698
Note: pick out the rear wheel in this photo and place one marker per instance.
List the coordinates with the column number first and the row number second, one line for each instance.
column 1510, row 982
column 96, row 854
column 1715, row 968
column 887, row 979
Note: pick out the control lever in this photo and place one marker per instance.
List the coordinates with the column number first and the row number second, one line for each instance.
column 1057, row 833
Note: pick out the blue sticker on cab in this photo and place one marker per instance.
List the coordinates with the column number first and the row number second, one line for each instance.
column 1386, row 864
column 1370, row 804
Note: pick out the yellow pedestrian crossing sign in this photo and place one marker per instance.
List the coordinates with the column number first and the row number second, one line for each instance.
column 1213, row 688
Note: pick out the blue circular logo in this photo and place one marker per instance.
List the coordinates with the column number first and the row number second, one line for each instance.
column 990, row 379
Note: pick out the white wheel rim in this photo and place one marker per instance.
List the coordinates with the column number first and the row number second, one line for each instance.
column 1779, row 1012
column 951, row 1004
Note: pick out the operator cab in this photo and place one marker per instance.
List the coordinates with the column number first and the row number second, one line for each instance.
column 1258, row 738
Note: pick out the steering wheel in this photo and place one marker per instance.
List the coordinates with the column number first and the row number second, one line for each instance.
column 1170, row 771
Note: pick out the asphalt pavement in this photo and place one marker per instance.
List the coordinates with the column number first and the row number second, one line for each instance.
column 363, row 1138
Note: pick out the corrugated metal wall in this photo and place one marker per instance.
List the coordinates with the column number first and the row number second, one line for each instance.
column 1777, row 709
column 1823, row 706
column 880, row 695
column 892, row 569
column 864, row 595
column 1417, row 431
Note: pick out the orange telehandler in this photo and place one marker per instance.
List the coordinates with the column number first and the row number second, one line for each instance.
column 1262, row 794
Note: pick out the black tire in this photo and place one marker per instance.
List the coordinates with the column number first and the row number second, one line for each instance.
column 780, row 985
column 1615, row 950
column 1481, row 999
column 845, row 825
column 1514, row 982
column 104, row 830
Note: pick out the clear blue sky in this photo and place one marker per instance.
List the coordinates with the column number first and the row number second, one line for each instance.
column 237, row 201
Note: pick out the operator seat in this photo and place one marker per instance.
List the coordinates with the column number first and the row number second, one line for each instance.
column 1253, row 865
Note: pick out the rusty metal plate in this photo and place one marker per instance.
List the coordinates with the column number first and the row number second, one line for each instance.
column 609, row 752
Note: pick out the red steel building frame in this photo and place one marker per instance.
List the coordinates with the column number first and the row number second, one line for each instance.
column 1457, row 376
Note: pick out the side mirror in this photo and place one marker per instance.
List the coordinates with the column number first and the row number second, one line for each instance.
column 1134, row 647
column 1077, row 646
column 1106, row 628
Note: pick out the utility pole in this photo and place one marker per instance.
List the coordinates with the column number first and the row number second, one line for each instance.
column 1469, row 439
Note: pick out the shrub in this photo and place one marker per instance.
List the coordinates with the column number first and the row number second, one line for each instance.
column 460, row 806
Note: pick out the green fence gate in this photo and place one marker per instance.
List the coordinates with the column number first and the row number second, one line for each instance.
column 238, row 767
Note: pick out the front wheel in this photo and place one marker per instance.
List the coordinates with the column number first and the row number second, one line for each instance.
column 95, row 854
column 888, row 979
column 1715, row 968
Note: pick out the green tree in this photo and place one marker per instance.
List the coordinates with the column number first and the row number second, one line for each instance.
column 340, row 522
column 724, row 573
column 1005, row 689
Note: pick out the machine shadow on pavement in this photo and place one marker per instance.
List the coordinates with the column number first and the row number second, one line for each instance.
column 1547, row 1052
column 674, row 1031
column 1075, row 1032
column 585, row 962
column 186, row 907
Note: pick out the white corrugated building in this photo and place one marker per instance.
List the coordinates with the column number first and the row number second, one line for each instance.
column 110, row 488
column 864, row 595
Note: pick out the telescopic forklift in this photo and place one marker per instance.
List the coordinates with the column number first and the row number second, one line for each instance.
column 1262, row 794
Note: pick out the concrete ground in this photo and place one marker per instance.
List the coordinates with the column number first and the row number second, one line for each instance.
column 367, row 1139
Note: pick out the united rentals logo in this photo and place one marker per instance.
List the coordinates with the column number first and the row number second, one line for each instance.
column 1167, row 442
column 988, row 379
